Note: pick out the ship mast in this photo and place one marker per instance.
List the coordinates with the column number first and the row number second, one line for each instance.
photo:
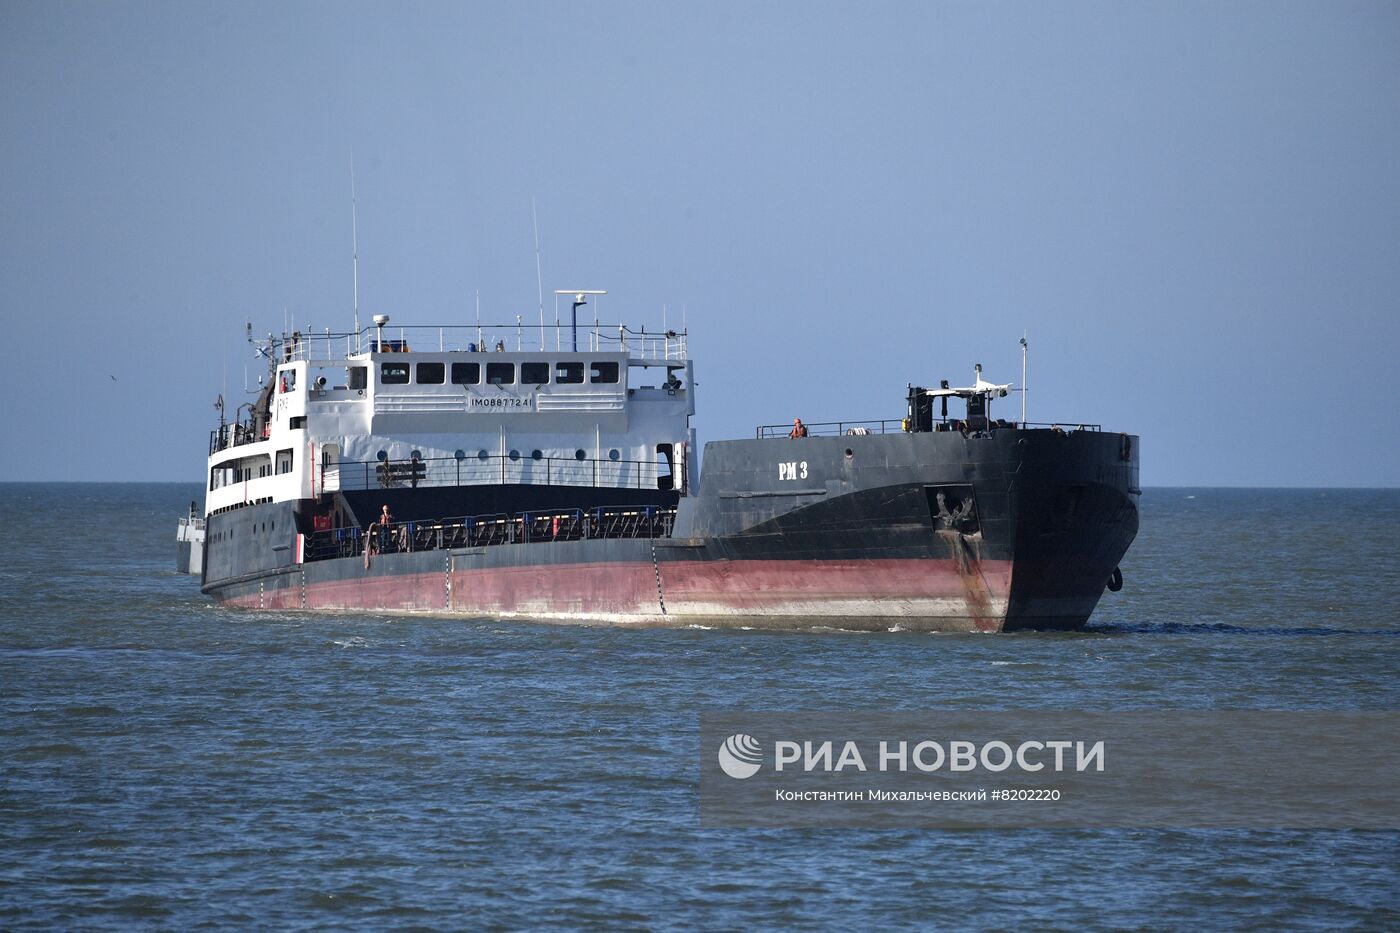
column 1025, row 349
column 355, row 253
column 580, row 299
column 539, row 275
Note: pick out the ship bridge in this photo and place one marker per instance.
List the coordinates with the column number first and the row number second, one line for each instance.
column 421, row 407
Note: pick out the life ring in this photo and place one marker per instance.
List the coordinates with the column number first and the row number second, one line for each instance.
column 1115, row 580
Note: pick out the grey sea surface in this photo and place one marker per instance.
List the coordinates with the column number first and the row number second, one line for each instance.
column 166, row 763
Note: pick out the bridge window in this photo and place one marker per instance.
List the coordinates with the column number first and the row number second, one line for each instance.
column 534, row 373
column 430, row 374
column 603, row 372
column 568, row 373
column 500, row 374
column 288, row 380
column 466, row 374
column 393, row 374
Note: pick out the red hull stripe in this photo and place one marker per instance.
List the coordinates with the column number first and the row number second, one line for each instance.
column 930, row 594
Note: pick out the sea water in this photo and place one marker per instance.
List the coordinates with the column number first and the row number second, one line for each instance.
column 168, row 763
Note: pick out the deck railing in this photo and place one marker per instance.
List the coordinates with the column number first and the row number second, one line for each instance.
column 896, row 426
column 495, row 469
column 642, row 521
column 231, row 435
column 514, row 338
column 833, row 428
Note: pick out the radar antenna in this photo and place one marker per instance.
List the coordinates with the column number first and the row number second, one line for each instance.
column 580, row 299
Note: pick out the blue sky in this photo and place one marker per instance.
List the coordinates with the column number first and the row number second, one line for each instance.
column 1192, row 208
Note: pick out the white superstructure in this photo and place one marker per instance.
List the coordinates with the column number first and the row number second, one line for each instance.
column 459, row 406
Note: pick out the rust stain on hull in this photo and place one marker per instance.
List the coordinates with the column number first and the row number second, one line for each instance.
column 964, row 551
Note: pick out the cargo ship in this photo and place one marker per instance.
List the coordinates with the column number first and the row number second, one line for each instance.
column 551, row 474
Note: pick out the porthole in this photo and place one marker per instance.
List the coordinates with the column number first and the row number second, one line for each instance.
column 536, row 455
column 481, row 455
column 515, row 455
column 460, row 454
column 579, row 455
column 382, row 455
column 613, row 454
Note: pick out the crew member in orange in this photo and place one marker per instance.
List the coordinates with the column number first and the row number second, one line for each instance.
column 385, row 520
column 798, row 428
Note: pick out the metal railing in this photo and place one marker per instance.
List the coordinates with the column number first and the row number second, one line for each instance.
column 642, row 521
column 833, row 428
column 515, row 338
column 896, row 426
column 232, row 435
column 495, row 469
column 1069, row 427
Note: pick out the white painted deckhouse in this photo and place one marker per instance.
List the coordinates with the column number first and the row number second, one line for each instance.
column 459, row 406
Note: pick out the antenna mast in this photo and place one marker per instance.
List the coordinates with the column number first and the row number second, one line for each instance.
column 1025, row 349
column 580, row 299
column 355, row 252
column 539, row 277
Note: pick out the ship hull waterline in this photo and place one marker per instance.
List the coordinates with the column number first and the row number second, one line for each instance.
column 857, row 595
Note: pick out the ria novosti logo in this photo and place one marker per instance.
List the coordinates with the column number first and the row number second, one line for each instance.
column 740, row 756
